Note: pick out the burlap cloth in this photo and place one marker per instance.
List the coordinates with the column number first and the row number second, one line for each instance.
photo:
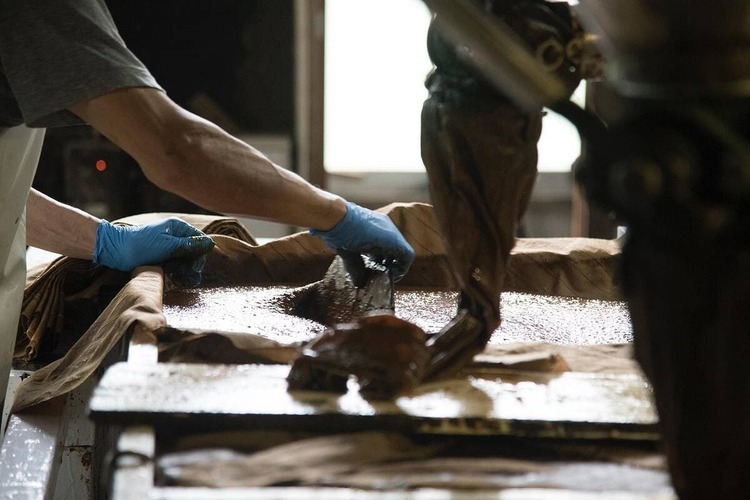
column 571, row 267
column 74, row 281
column 390, row 461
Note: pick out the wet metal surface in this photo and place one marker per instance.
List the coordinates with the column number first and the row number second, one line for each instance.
column 566, row 405
column 525, row 317
column 561, row 320
column 254, row 310
column 571, row 405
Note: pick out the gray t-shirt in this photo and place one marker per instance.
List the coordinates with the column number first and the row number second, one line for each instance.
column 55, row 53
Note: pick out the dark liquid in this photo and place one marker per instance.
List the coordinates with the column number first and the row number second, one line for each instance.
column 525, row 317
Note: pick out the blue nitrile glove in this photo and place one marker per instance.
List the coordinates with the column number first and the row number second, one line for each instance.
column 127, row 247
column 364, row 232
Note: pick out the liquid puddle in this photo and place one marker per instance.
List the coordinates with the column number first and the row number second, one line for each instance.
column 525, row 317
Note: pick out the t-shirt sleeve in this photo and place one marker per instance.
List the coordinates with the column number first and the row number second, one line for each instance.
column 55, row 53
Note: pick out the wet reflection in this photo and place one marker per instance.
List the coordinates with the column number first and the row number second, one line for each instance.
column 253, row 310
column 526, row 318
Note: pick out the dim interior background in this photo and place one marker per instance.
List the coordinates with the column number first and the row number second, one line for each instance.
column 346, row 117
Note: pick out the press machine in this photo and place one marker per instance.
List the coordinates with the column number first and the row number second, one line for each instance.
column 673, row 166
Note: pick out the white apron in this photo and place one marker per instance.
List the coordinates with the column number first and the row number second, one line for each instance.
column 19, row 154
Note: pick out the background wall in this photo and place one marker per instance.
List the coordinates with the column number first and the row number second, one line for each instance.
column 233, row 62
column 230, row 61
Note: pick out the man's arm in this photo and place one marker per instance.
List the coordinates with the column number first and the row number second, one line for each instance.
column 193, row 158
column 59, row 228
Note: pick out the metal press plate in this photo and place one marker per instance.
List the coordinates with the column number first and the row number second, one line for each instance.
column 565, row 405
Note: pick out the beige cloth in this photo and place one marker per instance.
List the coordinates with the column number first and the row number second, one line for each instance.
column 390, row 461
column 183, row 346
column 48, row 288
column 138, row 305
column 552, row 358
column 568, row 267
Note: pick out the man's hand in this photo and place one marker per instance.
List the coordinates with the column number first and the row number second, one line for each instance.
column 364, row 232
column 127, row 247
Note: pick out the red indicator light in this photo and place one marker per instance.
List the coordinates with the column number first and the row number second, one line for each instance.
column 101, row 165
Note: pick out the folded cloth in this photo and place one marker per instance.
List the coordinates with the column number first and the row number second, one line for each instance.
column 568, row 267
column 67, row 281
column 319, row 456
column 585, row 268
column 137, row 305
column 553, row 358
column 185, row 346
column 389, row 461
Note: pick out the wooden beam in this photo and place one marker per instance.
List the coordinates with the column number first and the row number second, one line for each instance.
column 309, row 89
column 133, row 464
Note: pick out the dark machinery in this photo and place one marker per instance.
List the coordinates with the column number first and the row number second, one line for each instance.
column 674, row 166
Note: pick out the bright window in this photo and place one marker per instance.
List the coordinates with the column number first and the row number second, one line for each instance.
column 375, row 65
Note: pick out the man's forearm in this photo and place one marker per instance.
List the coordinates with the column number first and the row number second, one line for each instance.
column 195, row 159
column 226, row 175
column 59, row 228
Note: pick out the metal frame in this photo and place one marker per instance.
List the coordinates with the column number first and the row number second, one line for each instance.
column 309, row 47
